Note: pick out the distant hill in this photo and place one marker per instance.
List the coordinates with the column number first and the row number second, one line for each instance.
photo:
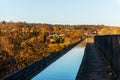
column 23, row 43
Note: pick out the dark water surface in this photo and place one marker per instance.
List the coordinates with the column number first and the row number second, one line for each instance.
column 66, row 67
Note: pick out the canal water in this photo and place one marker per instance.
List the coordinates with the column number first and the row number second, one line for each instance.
column 66, row 67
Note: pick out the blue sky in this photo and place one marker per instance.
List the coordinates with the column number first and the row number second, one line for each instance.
column 62, row 11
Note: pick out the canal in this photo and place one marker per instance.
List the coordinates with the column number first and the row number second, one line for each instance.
column 66, row 67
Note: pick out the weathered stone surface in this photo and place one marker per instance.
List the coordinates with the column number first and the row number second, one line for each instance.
column 93, row 66
column 109, row 45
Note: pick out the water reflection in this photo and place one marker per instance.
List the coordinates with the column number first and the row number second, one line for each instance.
column 66, row 67
column 88, row 40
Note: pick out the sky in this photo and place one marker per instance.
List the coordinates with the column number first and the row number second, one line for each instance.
column 72, row 12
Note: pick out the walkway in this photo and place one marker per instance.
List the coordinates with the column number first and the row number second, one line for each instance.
column 94, row 66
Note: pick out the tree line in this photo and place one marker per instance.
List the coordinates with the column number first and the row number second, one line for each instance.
column 23, row 43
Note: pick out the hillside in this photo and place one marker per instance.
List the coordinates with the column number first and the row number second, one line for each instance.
column 23, row 43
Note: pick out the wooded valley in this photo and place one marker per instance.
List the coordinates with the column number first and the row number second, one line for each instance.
column 23, row 43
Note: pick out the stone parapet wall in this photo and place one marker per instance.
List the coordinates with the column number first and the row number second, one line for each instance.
column 109, row 45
